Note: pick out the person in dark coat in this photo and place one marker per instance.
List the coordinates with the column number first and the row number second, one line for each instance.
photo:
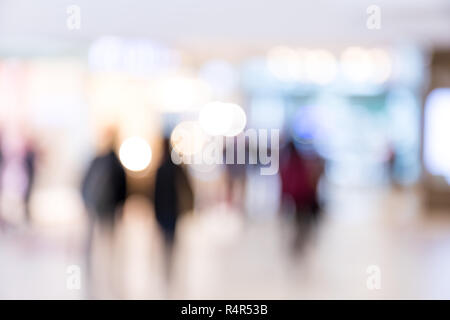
column 30, row 168
column 173, row 196
column 2, row 223
column 104, row 190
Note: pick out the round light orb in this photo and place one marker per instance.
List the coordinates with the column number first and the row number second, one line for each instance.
column 239, row 120
column 358, row 65
column 135, row 154
column 320, row 66
column 222, row 119
column 383, row 65
column 216, row 118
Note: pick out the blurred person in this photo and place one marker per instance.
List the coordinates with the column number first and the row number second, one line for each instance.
column 235, row 178
column 30, row 168
column 173, row 196
column 1, row 152
column 391, row 159
column 2, row 222
column 104, row 191
column 18, row 162
column 299, row 182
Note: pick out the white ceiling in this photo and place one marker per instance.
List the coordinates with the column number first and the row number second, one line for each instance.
column 232, row 25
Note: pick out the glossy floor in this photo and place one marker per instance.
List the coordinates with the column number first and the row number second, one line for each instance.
column 221, row 254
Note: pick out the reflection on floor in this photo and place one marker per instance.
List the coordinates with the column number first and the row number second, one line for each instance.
column 220, row 254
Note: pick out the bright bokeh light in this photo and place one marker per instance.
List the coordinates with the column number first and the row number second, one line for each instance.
column 216, row 118
column 222, row 119
column 437, row 133
column 357, row 64
column 320, row 66
column 287, row 64
column 360, row 65
column 383, row 65
column 135, row 154
column 187, row 138
column 239, row 120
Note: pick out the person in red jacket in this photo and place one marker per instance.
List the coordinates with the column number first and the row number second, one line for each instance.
column 299, row 180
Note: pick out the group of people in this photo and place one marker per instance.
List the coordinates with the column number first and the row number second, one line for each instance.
column 104, row 190
column 104, row 187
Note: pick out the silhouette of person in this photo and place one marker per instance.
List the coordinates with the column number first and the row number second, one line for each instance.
column 2, row 223
column 18, row 159
column 236, row 176
column 299, row 180
column 104, row 186
column 173, row 196
column 104, row 190
column 1, row 150
column 29, row 164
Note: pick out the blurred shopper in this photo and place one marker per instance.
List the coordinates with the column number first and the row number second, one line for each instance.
column 391, row 159
column 235, row 178
column 104, row 188
column 299, row 180
column 104, row 191
column 30, row 168
column 1, row 153
column 18, row 158
column 173, row 196
column 2, row 222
